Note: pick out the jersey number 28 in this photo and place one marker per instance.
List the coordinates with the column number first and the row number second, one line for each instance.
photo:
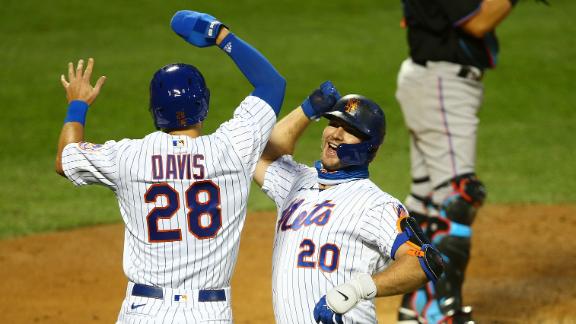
column 204, row 216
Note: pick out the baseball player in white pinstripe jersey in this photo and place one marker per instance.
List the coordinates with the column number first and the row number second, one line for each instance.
column 338, row 234
column 182, row 195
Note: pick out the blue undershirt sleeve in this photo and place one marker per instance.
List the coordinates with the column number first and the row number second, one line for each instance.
column 268, row 84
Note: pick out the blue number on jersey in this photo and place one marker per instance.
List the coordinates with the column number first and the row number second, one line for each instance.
column 335, row 252
column 156, row 235
column 308, row 251
column 326, row 262
column 202, row 201
column 209, row 208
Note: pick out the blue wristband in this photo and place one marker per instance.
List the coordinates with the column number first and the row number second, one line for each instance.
column 77, row 110
column 308, row 110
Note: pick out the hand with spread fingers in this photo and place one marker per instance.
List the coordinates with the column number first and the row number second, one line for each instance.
column 78, row 85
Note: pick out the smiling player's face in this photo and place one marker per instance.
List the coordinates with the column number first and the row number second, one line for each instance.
column 334, row 134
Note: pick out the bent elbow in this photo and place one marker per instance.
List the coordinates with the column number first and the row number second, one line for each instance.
column 58, row 169
column 280, row 88
column 279, row 85
column 491, row 15
column 282, row 82
column 477, row 30
column 272, row 92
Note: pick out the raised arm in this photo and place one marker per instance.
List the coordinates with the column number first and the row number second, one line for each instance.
column 80, row 94
column 203, row 30
column 289, row 129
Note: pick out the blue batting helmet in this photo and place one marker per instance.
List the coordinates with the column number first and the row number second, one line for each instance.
column 367, row 121
column 178, row 96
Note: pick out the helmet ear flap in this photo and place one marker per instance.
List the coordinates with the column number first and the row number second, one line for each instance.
column 372, row 149
column 357, row 154
column 207, row 96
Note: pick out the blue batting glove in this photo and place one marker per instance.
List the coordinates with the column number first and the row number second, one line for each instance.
column 198, row 29
column 323, row 314
column 320, row 101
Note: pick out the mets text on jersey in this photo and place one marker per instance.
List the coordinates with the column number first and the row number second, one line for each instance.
column 320, row 215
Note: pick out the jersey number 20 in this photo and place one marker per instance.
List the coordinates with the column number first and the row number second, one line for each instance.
column 202, row 203
column 328, row 256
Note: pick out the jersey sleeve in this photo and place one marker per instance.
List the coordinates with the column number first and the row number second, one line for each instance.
column 379, row 228
column 248, row 131
column 460, row 11
column 282, row 175
column 87, row 163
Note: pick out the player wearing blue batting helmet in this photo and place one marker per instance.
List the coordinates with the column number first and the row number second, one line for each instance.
column 335, row 196
column 366, row 120
column 179, row 97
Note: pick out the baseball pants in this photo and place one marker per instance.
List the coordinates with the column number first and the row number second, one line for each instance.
column 440, row 107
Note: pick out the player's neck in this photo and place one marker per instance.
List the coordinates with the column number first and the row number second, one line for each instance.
column 335, row 177
column 192, row 131
column 324, row 186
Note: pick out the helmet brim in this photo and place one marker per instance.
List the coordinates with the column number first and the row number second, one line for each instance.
column 354, row 127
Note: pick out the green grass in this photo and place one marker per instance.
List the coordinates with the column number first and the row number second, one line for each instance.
column 526, row 145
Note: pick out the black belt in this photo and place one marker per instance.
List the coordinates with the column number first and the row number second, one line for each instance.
column 465, row 71
column 204, row 295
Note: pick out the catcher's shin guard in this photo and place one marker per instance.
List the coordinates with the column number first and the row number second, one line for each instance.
column 413, row 306
column 448, row 290
column 442, row 302
column 462, row 203
column 450, row 233
column 421, row 307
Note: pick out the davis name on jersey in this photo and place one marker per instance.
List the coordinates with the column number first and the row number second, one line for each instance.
column 178, row 166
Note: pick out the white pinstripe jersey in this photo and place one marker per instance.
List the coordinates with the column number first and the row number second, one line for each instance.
column 324, row 237
column 183, row 200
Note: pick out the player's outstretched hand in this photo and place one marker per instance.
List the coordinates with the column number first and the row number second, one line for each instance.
column 78, row 85
column 323, row 314
column 197, row 28
column 320, row 101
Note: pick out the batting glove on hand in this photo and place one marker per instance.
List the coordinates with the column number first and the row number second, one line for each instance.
column 342, row 298
column 320, row 101
column 198, row 29
column 323, row 313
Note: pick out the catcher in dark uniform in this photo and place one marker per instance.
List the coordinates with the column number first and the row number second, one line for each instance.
column 452, row 43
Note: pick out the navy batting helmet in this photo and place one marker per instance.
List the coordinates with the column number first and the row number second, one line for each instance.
column 368, row 122
column 178, row 96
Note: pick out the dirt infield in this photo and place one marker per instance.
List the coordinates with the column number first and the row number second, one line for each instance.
column 523, row 270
